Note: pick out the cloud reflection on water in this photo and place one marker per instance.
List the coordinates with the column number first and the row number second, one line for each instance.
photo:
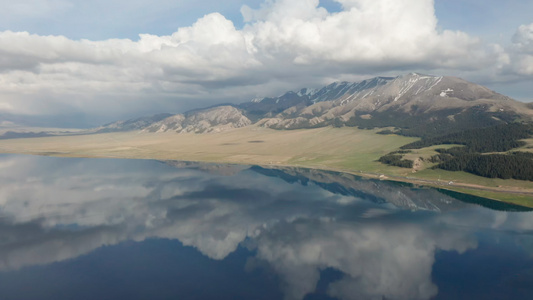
column 54, row 209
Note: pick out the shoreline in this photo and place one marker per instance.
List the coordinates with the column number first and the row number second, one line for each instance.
column 463, row 188
column 345, row 150
column 455, row 187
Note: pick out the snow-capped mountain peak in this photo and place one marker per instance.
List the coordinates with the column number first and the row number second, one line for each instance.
column 413, row 100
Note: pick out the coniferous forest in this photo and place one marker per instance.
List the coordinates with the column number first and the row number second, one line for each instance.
column 475, row 155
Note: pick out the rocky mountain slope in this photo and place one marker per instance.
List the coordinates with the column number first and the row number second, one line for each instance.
column 214, row 119
column 270, row 107
column 132, row 124
column 415, row 104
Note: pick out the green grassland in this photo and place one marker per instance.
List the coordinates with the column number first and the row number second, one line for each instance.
column 345, row 149
column 518, row 199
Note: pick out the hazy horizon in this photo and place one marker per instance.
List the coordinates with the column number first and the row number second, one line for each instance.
column 76, row 64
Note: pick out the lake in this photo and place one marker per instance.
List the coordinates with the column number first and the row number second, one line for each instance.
column 73, row 228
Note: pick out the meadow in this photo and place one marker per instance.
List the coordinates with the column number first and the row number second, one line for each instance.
column 344, row 149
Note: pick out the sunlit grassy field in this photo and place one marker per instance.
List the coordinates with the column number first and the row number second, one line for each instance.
column 249, row 145
column 343, row 149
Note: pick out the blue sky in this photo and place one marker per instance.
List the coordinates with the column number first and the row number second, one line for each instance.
column 97, row 20
column 67, row 57
column 492, row 20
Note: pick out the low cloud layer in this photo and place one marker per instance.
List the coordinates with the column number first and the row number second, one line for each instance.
column 284, row 45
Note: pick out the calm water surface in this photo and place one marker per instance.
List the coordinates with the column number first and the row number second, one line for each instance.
column 133, row 229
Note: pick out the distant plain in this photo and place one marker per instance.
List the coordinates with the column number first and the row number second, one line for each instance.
column 341, row 149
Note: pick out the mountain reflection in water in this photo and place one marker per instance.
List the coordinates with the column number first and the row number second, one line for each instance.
column 287, row 228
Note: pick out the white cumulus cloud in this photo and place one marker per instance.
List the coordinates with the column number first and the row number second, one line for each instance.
column 284, row 45
column 523, row 50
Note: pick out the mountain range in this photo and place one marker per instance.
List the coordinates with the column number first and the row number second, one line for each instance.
column 411, row 104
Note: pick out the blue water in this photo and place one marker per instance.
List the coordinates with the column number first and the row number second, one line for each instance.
column 136, row 229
